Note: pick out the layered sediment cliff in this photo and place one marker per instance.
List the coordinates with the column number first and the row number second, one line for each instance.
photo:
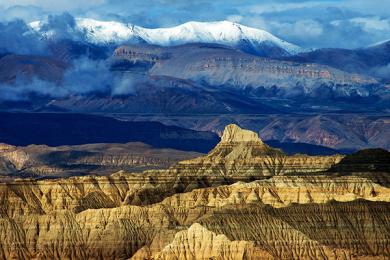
column 198, row 209
column 64, row 223
column 241, row 152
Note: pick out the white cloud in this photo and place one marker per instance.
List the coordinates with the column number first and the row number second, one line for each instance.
column 312, row 23
column 372, row 23
column 382, row 71
column 235, row 18
column 374, row 7
column 57, row 5
column 335, row 22
column 281, row 7
column 306, row 28
column 256, row 22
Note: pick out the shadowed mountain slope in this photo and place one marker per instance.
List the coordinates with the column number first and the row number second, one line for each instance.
column 368, row 61
column 41, row 161
column 72, row 129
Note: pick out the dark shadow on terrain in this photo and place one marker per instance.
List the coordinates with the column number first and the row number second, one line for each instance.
column 304, row 148
column 55, row 129
column 367, row 160
column 373, row 164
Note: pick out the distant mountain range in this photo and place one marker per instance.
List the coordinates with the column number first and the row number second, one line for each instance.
column 368, row 61
column 195, row 78
column 78, row 129
column 232, row 34
column 202, row 69
column 73, row 129
column 217, row 65
column 289, row 131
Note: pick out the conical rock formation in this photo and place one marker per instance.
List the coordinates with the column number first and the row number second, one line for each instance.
column 234, row 133
column 242, row 153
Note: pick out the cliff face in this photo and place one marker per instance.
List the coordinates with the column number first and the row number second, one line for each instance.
column 82, row 193
column 171, row 214
column 241, row 152
column 218, row 65
column 52, row 223
column 315, row 231
column 223, row 80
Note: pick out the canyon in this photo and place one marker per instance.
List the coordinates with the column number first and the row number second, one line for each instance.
column 242, row 200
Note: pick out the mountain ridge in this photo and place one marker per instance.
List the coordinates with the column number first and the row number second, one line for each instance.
column 223, row 32
column 371, row 60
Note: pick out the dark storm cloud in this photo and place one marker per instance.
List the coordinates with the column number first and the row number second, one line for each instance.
column 85, row 76
column 16, row 37
column 382, row 72
column 63, row 26
column 326, row 26
column 94, row 76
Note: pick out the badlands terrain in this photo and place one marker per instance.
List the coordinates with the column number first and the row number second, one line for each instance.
column 242, row 200
column 133, row 133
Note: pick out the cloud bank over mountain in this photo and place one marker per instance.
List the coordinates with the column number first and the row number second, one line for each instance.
column 83, row 77
column 310, row 24
column 35, row 64
column 17, row 37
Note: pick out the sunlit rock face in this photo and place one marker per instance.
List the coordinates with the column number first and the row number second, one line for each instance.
column 198, row 210
column 242, row 152
column 198, row 242
column 274, row 218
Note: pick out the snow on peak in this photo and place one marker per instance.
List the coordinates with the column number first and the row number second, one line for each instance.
column 223, row 32
column 106, row 31
column 379, row 43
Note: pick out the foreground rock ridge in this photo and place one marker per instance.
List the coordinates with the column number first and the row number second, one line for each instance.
column 243, row 200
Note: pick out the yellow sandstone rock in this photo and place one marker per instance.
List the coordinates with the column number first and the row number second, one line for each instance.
column 189, row 212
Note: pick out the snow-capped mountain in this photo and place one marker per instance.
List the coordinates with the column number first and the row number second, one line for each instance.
column 222, row 32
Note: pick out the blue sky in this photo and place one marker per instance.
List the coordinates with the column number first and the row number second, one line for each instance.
column 313, row 24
